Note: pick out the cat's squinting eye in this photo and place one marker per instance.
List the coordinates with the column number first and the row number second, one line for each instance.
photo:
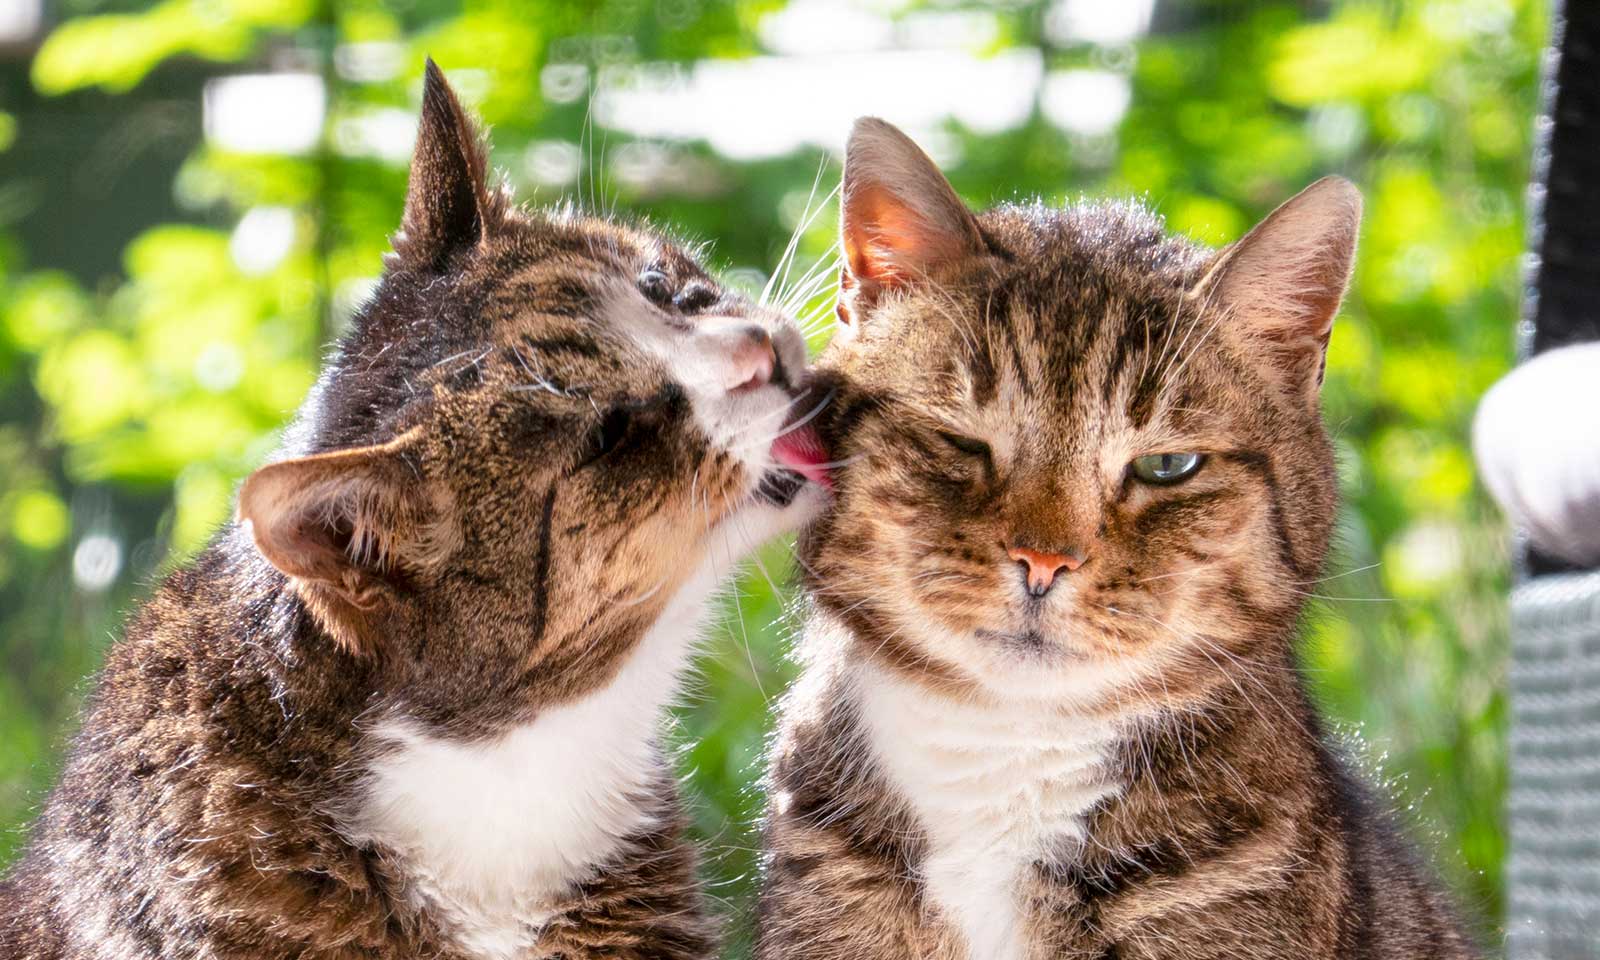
column 1164, row 469
column 695, row 297
column 971, row 446
column 606, row 435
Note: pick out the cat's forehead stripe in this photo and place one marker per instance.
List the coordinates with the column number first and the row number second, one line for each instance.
column 1084, row 343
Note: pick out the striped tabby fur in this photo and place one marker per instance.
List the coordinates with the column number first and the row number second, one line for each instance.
column 1128, row 765
column 409, row 706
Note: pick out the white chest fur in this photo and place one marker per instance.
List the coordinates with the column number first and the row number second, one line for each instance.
column 995, row 788
column 490, row 833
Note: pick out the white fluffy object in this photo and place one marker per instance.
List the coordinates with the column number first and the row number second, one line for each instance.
column 1537, row 440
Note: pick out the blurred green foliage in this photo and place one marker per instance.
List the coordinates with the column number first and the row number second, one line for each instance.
column 131, row 404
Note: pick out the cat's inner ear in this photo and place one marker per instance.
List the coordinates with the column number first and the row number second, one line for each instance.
column 348, row 526
column 448, row 203
column 1282, row 283
column 899, row 217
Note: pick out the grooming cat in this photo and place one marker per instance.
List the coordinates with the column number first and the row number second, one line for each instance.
column 408, row 705
column 1050, row 705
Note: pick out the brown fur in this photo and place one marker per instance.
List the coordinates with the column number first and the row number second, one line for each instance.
column 447, row 545
column 1072, row 341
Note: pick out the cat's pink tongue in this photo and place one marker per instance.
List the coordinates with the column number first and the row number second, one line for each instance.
column 801, row 450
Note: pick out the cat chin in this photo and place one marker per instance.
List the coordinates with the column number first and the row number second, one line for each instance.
column 1049, row 670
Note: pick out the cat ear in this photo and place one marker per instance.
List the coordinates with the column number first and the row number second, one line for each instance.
column 899, row 216
column 447, row 195
column 1284, row 280
column 347, row 526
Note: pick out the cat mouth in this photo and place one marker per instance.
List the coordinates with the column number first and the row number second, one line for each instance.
column 780, row 487
column 798, row 449
column 1020, row 640
column 799, row 458
column 1030, row 642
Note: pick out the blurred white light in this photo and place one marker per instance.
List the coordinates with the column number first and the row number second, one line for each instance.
column 651, row 166
column 942, row 146
column 552, row 163
column 640, row 163
column 387, row 133
column 948, row 30
column 769, row 106
column 564, row 82
column 20, row 20
column 262, row 239
column 1337, row 128
column 471, row 84
column 265, row 112
column 1097, row 21
column 1429, row 552
column 1453, row 21
column 371, row 62
column 1085, row 102
column 1118, row 57
column 1094, row 152
column 352, row 295
column 825, row 26
column 96, row 562
column 219, row 367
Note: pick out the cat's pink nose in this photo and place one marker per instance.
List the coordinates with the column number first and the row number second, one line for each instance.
column 1040, row 567
column 753, row 359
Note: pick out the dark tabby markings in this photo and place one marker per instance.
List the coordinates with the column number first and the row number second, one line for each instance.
column 1225, row 839
column 981, row 370
column 463, row 379
column 541, row 569
column 237, row 705
column 1181, row 511
column 1009, row 331
column 561, row 296
column 1258, row 464
column 1142, row 399
column 1119, row 360
column 569, row 344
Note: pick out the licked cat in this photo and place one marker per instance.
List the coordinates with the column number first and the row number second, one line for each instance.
column 408, row 705
column 1050, row 704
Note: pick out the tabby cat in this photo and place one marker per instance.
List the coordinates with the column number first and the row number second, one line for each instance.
column 408, row 706
column 1050, row 705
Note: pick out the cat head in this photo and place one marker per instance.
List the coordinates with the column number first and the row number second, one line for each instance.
column 540, row 427
column 1085, row 457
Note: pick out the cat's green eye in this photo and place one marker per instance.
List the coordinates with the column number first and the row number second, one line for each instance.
column 1167, row 468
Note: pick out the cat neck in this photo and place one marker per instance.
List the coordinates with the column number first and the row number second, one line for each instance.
column 1001, row 786
column 492, row 834
column 994, row 785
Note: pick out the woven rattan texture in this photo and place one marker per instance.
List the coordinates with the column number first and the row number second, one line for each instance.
column 1554, row 869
